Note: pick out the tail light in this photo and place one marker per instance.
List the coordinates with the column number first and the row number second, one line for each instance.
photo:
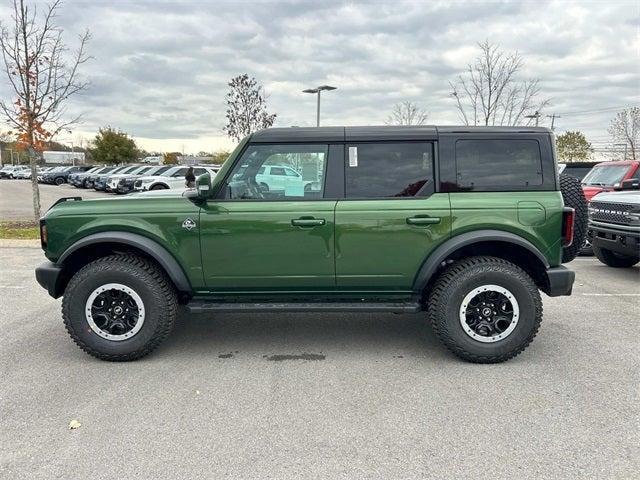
column 43, row 234
column 568, row 226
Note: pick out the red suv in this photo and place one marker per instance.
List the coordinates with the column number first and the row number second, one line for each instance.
column 606, row 176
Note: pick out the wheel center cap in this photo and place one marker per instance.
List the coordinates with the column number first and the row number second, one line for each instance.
column 486, row 311
column 117, row 310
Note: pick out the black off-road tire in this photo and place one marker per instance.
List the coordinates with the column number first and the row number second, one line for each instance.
column 614, row 259
column 461, row 278
column 140, row 275
column 573, row 197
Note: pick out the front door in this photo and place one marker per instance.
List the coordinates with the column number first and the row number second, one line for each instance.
column 391, row 218
column 271, row 236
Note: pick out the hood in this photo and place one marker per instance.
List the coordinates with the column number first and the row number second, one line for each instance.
column 630, row 197
column 144, row 202
column 591, row 191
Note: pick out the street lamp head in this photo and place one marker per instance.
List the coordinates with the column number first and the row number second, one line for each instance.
column 326, row 87
column 311, row 90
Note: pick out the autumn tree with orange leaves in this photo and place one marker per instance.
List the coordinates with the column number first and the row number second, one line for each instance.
column 43, row 75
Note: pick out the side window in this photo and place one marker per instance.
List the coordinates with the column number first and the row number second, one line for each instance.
column 307, row 164
column 277, row 171
column 382, row 170
column 198, row 171
column 498, row 164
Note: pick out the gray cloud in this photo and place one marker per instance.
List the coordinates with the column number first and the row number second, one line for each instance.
column 160, row 68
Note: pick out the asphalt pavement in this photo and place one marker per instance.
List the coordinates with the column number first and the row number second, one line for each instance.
column 16, row 198
column 340, row 396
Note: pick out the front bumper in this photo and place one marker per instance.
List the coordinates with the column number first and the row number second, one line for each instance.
column 623, row 241
column 559, row 281
column 48, row 276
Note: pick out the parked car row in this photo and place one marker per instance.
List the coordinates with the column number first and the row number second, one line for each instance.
column 131, row 178
column 12, row 171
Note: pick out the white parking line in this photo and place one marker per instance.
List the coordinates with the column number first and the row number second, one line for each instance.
column 12, row 286
column 611, row 294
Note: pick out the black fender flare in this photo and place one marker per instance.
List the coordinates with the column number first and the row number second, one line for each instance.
column 441, row 253
column 147, row 245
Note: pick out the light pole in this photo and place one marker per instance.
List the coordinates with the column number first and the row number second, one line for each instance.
column 317, row 90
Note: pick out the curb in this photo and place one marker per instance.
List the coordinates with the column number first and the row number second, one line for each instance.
column 16, row 243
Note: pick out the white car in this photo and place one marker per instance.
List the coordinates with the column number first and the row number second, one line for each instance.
column 23, row 173
column 10, row 171
column 172, row 178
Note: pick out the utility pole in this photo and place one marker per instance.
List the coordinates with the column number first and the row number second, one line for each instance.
column 317, row 91
column 535, row 115
column 553, row 120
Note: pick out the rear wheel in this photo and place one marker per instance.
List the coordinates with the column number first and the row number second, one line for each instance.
column 59, row 181
column 119, row 307
column 485, row 309
column 615, row 259
column 573, row 197
column 159, row 187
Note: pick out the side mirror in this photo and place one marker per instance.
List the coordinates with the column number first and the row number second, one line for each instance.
column 203, row 186
column 631, row 184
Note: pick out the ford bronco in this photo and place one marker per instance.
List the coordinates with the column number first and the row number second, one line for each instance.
column 614, row 225
column 467, row 224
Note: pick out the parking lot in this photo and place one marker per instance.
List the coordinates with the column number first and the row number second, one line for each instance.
column 16, row 198
column 323, row 396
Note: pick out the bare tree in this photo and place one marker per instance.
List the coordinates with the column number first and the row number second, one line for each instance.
column 625, row 129
column 407, row 113
column 490, row 93
column 246, row 107
column 42, row 76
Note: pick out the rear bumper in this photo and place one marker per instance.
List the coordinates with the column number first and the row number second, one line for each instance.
column 48, row 276
column 560, row 281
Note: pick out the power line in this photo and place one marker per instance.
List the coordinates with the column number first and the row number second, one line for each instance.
column 606, row 109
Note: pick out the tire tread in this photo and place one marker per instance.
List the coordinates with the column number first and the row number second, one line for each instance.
column 163, row 283
column 450, row 276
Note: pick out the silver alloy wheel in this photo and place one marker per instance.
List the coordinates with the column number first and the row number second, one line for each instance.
column 115, row 312
column 489, row 313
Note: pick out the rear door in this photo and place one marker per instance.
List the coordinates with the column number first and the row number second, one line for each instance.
column 391, row 217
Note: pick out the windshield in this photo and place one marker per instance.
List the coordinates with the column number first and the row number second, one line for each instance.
column 605, row 175
column 158, row 170
column 169, row 172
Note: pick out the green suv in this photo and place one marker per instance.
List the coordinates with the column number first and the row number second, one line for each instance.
column 467, row 224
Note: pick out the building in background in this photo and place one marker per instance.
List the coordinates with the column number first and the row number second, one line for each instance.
column 62, row 158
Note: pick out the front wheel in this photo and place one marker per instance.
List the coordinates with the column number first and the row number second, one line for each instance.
column 615, row 259
column 59, row 181
column 159, row 187
column 485, row 309
column 119, row 307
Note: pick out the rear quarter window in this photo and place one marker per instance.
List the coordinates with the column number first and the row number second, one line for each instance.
column 486, row 164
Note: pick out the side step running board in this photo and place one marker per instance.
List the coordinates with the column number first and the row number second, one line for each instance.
column 229, row 307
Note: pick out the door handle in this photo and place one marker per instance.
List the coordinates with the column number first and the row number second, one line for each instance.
column 307, row 222
column 423, row 220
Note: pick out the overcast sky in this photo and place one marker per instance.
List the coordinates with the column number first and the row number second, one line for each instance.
column 160, row 68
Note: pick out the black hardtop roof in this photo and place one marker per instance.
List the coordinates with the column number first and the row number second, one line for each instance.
column 377, row 132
